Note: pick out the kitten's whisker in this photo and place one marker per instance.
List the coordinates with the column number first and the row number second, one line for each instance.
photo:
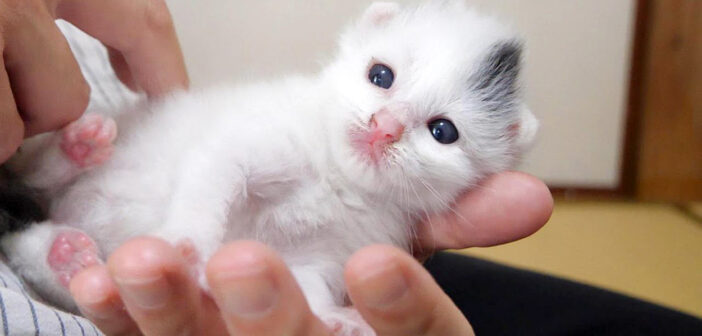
column 409, row 218
column 445, row 203
column 427, row 217
column 401, row 152
column 452, row 207
column 433, row 191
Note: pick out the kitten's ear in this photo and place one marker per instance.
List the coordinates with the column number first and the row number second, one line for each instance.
column 378, row 13
column 497, row 85
column 525, row 130
column 497, row 80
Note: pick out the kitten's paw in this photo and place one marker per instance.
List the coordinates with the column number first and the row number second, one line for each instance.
column 187, row 250
column 71, row 251
column 346, row 322
column 194, row 262
column 88, row 140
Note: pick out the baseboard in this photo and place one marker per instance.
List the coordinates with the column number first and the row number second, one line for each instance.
column 573, row 192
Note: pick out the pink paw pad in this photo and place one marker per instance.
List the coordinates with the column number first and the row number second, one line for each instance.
column 347, row 322
column 188, row 251
column 88, row 141
column 71, row 252
column 190, row 255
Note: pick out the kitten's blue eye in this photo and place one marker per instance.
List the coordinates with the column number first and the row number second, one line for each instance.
column 444, row 131
column 381, row 76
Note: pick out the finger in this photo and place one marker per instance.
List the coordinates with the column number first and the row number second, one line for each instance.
column 142, row 32
column 99, row 301
column 257, row 294
column 11, row 126
column 504, row 208
column 157, row 289
column 47, row 84
column 396, row 295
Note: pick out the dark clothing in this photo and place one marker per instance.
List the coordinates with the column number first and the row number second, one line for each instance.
column 500, row 300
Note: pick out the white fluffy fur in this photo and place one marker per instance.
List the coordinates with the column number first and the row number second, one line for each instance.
column 273, row 162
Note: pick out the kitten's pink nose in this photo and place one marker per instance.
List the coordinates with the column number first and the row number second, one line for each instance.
column 385, row 128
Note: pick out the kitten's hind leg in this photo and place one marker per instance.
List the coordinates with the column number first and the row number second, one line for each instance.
column 87, row 142
column 50, row 161
column 47, row 256
column 325, row 298
column 346, row 321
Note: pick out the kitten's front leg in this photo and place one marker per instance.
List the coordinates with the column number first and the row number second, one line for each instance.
column 50, row 161
column 198, row 212
column 196, row 242
column 323, row 289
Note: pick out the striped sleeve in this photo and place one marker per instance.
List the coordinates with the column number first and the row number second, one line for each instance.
column 22, row 313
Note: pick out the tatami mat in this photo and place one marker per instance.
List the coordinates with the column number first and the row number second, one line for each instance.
column 651, row 251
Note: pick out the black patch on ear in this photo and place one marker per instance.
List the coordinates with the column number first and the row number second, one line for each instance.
column 496, row 82
column 20, row 206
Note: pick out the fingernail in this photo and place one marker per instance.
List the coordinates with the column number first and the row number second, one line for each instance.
column 147, row 293
column 106, row 311
column 247, row 291
column 93, row 301
column 381, row 283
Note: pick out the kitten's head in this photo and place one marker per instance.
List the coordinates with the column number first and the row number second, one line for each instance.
column 429, row 101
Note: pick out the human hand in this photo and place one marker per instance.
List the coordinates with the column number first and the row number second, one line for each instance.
column 506, row 207
column 255, row 294
column 41, row 86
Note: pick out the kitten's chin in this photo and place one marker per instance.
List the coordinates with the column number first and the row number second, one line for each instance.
column 382, row 179
column 363, row 164
column 371, row 156
column 365, row 172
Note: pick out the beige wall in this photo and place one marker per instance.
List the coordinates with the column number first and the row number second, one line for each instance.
column 576, row 64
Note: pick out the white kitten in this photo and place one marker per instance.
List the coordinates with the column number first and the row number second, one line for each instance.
column 417, row 106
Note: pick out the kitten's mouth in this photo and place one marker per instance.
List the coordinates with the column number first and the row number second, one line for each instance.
column 369, row 147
